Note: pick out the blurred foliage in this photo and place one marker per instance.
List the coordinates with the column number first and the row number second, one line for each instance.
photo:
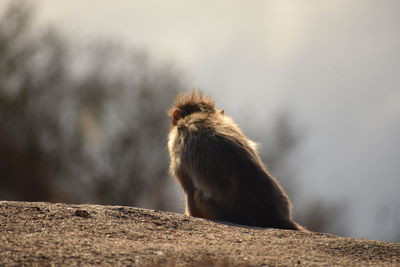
column 80, row 124
column 88, row 123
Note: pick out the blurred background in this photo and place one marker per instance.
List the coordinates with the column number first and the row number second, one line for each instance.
column 84, row 89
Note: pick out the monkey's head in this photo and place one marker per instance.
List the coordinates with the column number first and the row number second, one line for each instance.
column 189, row 103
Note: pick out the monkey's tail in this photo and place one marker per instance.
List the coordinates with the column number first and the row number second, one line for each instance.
column 301, row 228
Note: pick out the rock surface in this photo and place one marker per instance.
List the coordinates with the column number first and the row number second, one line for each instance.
column 36, row 233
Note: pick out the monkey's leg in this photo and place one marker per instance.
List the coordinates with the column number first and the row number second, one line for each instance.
column 207, row 207
column 189, row 189
column 186, row 182
column 191, row 206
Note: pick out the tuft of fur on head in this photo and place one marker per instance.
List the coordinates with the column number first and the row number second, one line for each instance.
column 188, row 103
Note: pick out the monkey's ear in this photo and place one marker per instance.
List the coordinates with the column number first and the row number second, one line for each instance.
column 222, row 111
column 176, row 115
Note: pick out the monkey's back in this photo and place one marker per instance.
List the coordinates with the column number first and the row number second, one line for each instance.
column 226, row 169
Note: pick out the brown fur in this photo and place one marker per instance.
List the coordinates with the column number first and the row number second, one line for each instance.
column 220, row 170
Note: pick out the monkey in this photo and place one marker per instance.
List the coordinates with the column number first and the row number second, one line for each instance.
column 219, row 168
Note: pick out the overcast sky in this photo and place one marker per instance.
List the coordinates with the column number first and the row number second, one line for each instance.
column 334, row 64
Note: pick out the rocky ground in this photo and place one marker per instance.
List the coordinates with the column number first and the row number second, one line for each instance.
column 40, row 234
